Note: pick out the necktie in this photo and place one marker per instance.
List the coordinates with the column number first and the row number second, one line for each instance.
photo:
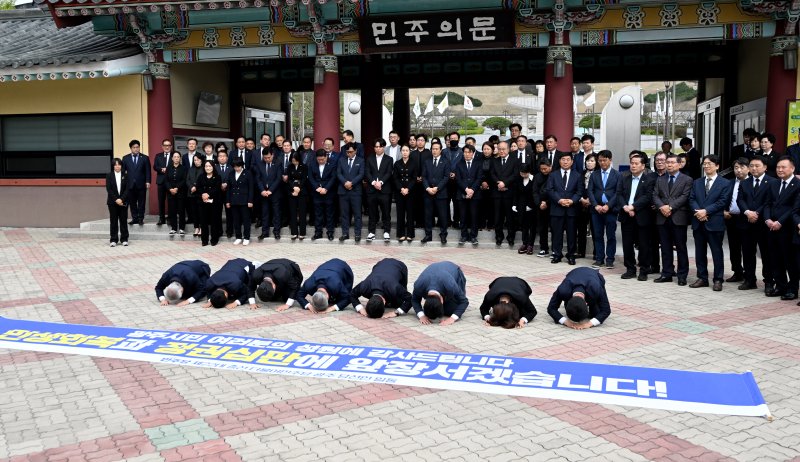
column 435, row 162
column 564, row 179
column 783, row 186
column 708, row 184
column 605, row 179
column 469, row 164
column 285, row 161
column 267, row 170
column 135, row 159
column 504, row 161
column 350, row 164
column 755, row 188
column 671, row 182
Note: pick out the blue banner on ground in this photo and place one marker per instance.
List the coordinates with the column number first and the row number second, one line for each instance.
column 717, row 393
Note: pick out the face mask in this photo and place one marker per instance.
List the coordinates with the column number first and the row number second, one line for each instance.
column 453, row 144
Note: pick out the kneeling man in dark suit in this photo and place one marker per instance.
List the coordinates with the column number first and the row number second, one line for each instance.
column 184, row 281
column 508, row 303
column 385, row 287
column 583, row 293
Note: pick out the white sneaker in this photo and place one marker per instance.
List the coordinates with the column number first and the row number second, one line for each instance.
column 113, row 244
column 125, row 244
column 172, row 231
column 246, row 242
column 386, row 237
column 237, row 242
column 370, row 236
column 181, row 232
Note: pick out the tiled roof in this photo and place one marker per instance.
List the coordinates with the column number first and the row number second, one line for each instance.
column 29, row 37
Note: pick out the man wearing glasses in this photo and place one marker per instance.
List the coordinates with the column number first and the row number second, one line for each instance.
column 160, row 163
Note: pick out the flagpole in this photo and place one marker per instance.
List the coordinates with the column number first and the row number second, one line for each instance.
column 465, row 112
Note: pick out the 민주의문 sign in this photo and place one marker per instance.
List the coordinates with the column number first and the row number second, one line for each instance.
column 716, row 393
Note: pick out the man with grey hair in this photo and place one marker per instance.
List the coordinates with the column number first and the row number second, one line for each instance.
column 329, row 285
column 184, row 281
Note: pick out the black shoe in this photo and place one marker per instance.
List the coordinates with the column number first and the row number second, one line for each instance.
column 768, row 288
column 229, row 235
column 141, row 222
column 344, row 238
column 358, row 238
column 462, row 241
column 580, row 255
column 132, row 222
column 262, row 236
column 628, row 275
column 772, row 292
column 571, row 261
column 258, row 224
column 213, row 243
column 498, row 243
column 642, row 276
column 330, row 237
column 555, row 260
column 735, row 278
column 316, row 236
column 161, row 222
column 444, row 240
column 511, row 243
column 682, row 282
column 277, row 236
column 474, row 242
column 426, row 239
column 661, row 279
column 789, row 296
column 747, row 285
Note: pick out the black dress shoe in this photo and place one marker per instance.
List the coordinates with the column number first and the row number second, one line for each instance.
column 747, row 285
column 344, row 238
column 571, row 261
column 682, row 282
column 316, row 236
column 735, row 278
column 511, row 243
column 498, row 243
column 717, row 286
column 698, row 283
column 161, row 222
column 132, row 222
column 426, row 239
column 262, row 236
column 444, row 240
column 661, row 279
column 772, row 292
column 555, row 260
column 229, row 235
column 789, row 296
column 628, row 275
column 642, row 276
column 330, row 237
column 580, row 255
column 141, row 222
column 277, row 236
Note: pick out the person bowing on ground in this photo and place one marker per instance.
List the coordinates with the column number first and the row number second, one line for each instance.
column 583, row 293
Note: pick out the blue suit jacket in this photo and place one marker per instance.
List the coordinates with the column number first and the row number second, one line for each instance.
column 446, row 278
column 596, row 189
column 593, row 286
column 468, row 178
column 234, row 277
column 437, row 177
column 327, row 180
column 336, row 277
column 353, row 175
column 389, row 278
column 556, row 191
column 715, row 202
column 273, row 182
column 191, row 274
column 138, row 174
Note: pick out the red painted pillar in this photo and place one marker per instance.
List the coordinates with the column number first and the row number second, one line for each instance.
column 159, row 119
column 781, row 87
column 558, row 117
column 326, row 103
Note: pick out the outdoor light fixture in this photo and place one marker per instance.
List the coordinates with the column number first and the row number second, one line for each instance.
column 790, row 58
column 147, row 80
column 319, row 73
column 559, row 66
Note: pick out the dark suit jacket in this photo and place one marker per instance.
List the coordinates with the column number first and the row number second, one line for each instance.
column 138, row 174
column 596, row 189
column 772, row 161
column 779, row 207
column 234, row 277
column 750, row 199
column 678, row 199
column 540, row 189
column 389, row 278
column 592, row 284
column 516, row 288
column 284, row 273
column 272, row 182
column 524, row 195
column 383, row 174
column 545, row 155
column 468, row 178
column 327, row 180
column 642, row 200
column 693, row 168
column 793, row 151
column 507, row 173
column 240, row 192
column 336, row 277
column 111, row 189
column 714, row 203
column 211, row 186
column 250, row 157
column 556, row 191
column 529, row 158
column 446, row 278
column 159, row 162
column 354, row 175
column 298, row 176
column 176, row 178
column 436, row 177
column 191, row 274
column 405, row 174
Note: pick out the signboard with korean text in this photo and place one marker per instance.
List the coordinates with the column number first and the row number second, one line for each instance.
column 793, row 121
column 688, row 391
column 437, row 31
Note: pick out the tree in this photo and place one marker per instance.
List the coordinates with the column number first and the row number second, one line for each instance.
column 6, row 4
column 497, row 123
column 590, row 121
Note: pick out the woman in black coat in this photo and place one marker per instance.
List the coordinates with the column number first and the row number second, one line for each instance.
column 192, row 198
column 176, row 193
column 209, row 191
column 117, row 201
column 297, row 183
column 405, row 175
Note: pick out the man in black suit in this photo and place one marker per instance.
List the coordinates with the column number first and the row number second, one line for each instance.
column 524, row 153
column 564, row 190
column 778, row 219
column 741, row 150
column 707, row 201
column 229, row 286
column 503, row 175
column 322, row 177
column 385, row 287
column 767, row 142
column 753, row 198
column 240, row 201
column 671, row 198
column 468, row 176
column 224, row 170
column 185, row 281
column 692, row 158
column 735, row 221
column 583, row 293
column 551, row 152
column 350, row 173
column 507, row 303
column 241, row 152
column 634, row 201
column 160, row 163
column 136, row 167
column 379, row 190
column 269, row 181
column 435, row 174
column 276, row 280
column 117, row 202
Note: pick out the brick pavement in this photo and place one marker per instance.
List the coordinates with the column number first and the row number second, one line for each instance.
column 63, row 407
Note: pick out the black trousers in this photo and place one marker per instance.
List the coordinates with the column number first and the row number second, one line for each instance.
column 756, row 235
column 383, row 203
column 673, row 235
column 271, row 212
column 543, row 228
column 350, row 203
column 503, row 218
column 583, row 220
column 210, row 222
column 323, row 214
column 439, row 207
column 559, row 224
column 193, row 204
column 241, row 221
column 486, row 210
column 704, row 239
column 163, row 192
column 734, row 243
column 419, row 197
column 118, row 214
column 633, row 233
column 175, row 205
column 655, row 248
column 405, row 214
column 527, row 223
column 784, row 260
column 297, row 215
column 468, row 215
column 138, row 198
